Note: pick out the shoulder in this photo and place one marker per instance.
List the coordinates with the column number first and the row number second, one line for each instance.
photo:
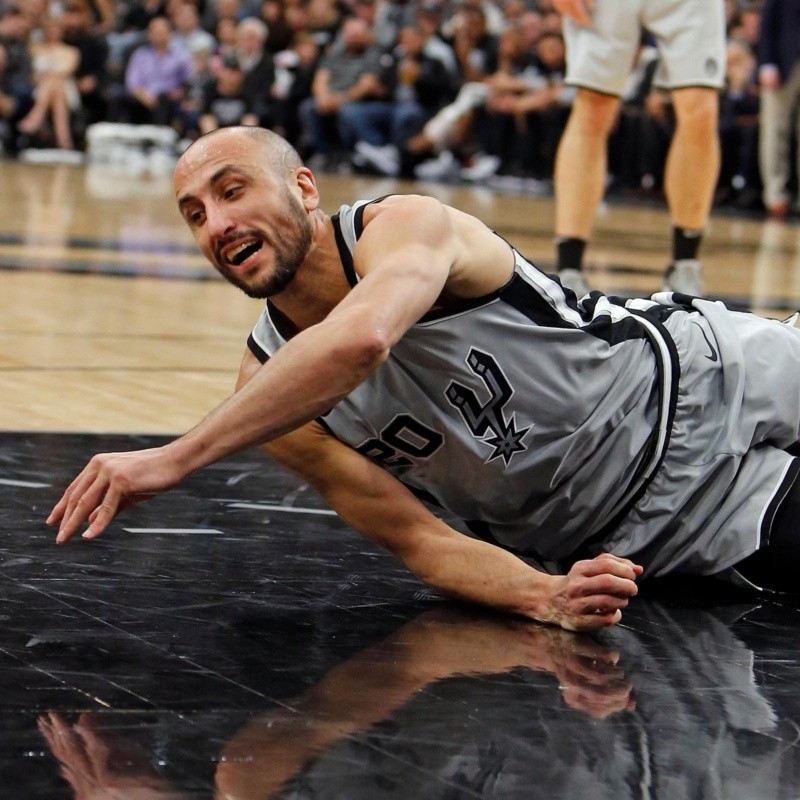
column 404, row 206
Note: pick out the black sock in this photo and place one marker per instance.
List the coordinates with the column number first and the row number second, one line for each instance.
column 569, row 252
column 685, row 243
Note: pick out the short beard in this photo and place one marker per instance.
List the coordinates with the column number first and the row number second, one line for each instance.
column 289, row 255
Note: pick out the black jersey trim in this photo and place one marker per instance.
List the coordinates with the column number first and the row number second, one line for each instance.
column 283, row 324
column 341, row 242
column 344, row 252
column 257, row 350
column 776, row 501
column 668, row 368
column 524, row 297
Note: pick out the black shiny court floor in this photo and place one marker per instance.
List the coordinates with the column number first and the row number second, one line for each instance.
column 234, row 640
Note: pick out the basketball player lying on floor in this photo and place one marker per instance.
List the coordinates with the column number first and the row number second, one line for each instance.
column 405, row 349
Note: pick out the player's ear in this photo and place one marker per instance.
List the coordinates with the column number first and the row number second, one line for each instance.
column 309, row 194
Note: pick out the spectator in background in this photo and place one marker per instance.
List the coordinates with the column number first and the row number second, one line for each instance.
column 280, row 34
column 55, row 95
column 14, row 32
column 500, row 119
column 294, row 75
column 429, row 21
column 16, row 81
column 203, row 75
column 132, row 33
column 513, row 11
column 324, row 19
column 296, row 15
column 225, row 102
column 390, row 17
column 419, row 85
column 748, row 27
column 258, row 66
column 474, row 46
column 779, row 78
column 102, row 16
column 347, row 78
column 187, row 32
column 738, row 129
column 450, row 128
column 36, row 12
column 156, row 79
column 15, row 101
column 215, row 10
column 225, row 35
column 91, row 76
column 541, row 110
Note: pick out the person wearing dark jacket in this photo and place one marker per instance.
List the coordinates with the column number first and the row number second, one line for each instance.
column 779, row 78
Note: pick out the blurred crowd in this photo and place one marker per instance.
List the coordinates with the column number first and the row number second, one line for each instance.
column 469, row 90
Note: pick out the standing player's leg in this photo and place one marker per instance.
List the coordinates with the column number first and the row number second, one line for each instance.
column 692, row 51
column 690, row 178
column 599, row 58
column 580, row 175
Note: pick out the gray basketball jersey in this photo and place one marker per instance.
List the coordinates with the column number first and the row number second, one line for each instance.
column 655, row 429
column 536, row 421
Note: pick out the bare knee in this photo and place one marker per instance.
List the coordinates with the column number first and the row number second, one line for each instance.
column 593, row 113
column 696, row 111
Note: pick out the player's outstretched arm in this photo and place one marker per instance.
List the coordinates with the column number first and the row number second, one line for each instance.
column 312, row 372
column 592, row 595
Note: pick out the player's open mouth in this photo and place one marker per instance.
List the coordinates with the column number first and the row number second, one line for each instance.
column 238, row 254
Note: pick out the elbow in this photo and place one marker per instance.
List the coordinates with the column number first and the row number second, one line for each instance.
column 368, row 350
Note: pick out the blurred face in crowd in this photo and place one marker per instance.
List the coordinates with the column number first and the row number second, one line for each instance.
column 530, row 24
column 186, row 19
column 227, row 8
column 510, row 45
column 356, row 35
column 306, row 48
column 551, row 51
column 411, row 41
column 365, row 9
column 226, row 32
column 158, row 33
column 75, row 17
column 14, row 26
column 513, row 9
column 250, row 38
column 53, row 30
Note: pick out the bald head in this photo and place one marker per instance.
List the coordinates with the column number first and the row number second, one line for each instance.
column 278, row 154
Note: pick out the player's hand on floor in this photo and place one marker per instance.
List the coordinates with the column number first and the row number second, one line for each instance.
column 594, row 592
column 108, row 484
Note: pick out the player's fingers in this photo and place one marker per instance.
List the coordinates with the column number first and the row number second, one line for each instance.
column 607, row 564
column 598, row 705
column 584, row 591
column 103, row 514
column 59, row 508
column 81, row 505
column 593, row 620
column 593, row 672
column 586, row 649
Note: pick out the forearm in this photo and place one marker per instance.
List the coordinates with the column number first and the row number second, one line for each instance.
column 485, row 574
column 303, row 380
